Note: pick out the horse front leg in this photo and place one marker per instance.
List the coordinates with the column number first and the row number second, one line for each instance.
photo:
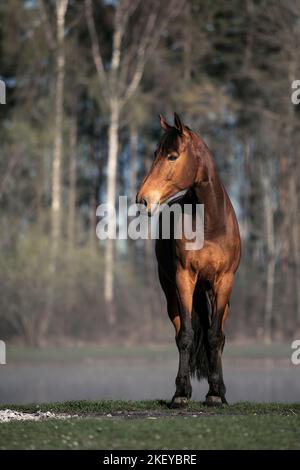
column 184, row 338
column 216, row 342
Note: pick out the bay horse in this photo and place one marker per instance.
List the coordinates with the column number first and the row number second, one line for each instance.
column 197, row 283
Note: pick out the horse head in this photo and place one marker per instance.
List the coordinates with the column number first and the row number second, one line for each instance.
column 178, row 164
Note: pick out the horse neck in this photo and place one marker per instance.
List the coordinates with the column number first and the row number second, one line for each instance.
column 211, row 193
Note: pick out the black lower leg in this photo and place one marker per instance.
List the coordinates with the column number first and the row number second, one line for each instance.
column 216, row 341
column 184, row 341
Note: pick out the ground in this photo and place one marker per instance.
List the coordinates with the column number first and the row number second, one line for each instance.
column 152, row 425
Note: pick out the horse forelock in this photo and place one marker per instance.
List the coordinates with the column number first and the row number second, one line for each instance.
column 169, row 141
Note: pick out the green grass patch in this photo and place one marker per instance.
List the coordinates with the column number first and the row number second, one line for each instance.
column 87, row 407
column 201, row 432
column 152, row 425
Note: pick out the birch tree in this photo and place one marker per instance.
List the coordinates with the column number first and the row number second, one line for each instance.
column 56, row 190
column 61, row 8
column 268, row 206
column 72, row 181
column 137, row 30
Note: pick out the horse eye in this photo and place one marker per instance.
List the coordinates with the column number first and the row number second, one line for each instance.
column 172, row 158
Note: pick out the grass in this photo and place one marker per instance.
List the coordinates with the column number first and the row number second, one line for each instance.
column 218, row 432
column 88, row 407
column 151, row 425
column 155, row 352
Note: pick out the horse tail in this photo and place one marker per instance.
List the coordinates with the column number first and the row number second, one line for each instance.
column 200, row 323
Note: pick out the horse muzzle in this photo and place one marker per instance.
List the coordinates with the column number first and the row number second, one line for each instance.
column 150, row 202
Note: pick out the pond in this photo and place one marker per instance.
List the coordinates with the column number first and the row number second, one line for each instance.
column 260, row 380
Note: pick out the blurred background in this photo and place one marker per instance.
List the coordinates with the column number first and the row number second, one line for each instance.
column 85, row 81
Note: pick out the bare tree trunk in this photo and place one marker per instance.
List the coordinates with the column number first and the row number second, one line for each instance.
column 249, row 36
column 287, row 160
column 113, row 144
column 287, row 203
column 133, row 162
column 270, row 238
column 269, row 301
column 92, row 221
column 295, row 237
column 98, row 160
column 39, row 190
column 61, row 8
column 187, row 45
column 72, row 183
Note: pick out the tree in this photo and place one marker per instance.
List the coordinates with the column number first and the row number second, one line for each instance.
column 140, row 24
column 61, row 8
column 56, row 191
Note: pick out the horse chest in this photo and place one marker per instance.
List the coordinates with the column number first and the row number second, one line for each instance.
column 205, row 263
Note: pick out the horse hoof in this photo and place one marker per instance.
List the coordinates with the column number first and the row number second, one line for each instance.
column 213, row 401
column 179, row 402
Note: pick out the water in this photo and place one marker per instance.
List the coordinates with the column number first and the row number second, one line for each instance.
column 262, row 380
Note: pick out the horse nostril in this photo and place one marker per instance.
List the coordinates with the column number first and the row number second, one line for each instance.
column 142, row 200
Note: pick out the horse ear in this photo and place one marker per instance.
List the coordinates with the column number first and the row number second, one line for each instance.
column 178, row 124
column 163, row 123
